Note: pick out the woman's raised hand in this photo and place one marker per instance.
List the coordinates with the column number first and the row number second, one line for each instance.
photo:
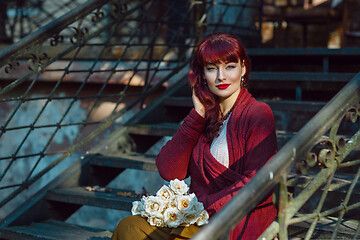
column 199, row 107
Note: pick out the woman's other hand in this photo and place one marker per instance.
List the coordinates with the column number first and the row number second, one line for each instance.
column 199, row 107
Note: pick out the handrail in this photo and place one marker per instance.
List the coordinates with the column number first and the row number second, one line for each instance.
column 266, row 179
column 49, row 30
column 21, row 21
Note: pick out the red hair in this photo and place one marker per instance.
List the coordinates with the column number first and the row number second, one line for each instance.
column 215, row 48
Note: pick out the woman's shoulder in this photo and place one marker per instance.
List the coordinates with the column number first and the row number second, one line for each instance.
column 254, row 106
column 258, row 110
column 257, row 106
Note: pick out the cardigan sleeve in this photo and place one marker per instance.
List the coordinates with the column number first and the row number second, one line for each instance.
column 173, row 159
column 260, row 145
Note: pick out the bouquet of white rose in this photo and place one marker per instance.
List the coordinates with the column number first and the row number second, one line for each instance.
column 171, row 207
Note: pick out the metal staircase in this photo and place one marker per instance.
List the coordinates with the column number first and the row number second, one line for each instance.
column 112, row 58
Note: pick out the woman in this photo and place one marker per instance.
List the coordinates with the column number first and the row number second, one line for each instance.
column 226, row 138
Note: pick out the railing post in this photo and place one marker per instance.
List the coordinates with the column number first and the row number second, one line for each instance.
column 283, row 207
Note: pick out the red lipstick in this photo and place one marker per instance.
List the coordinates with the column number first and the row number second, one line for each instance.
column 222, row 86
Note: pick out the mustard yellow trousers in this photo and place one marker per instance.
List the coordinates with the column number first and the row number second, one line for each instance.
column 136, row 227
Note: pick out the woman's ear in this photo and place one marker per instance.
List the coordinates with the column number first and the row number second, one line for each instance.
column 243, row 69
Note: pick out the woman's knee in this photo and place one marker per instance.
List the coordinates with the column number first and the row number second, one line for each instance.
column 128, row 228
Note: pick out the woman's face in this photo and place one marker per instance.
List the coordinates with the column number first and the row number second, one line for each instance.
column 224, row 79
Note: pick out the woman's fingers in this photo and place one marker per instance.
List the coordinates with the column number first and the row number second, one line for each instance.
column 199, row 107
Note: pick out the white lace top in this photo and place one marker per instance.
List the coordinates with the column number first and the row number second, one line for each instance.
column 219, row 146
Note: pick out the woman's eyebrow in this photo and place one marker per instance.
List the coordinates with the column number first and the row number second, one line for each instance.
column 231, row 62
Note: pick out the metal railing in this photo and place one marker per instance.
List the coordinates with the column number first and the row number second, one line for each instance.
column 309, row 149
column 20, row 18
column 64, row 86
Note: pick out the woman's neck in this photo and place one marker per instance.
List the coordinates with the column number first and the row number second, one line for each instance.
column 227, row 104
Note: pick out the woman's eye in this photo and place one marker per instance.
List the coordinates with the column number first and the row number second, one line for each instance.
column 210, row 68
column 230, row 67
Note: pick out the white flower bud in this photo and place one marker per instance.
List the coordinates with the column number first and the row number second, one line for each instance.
column 190, row 217
column 203, row 218
column 173, row 217
column 165, row 193
column 154, row 206
column 179, row 187
column 137, row 208
column 155, row 221
column 186, row 202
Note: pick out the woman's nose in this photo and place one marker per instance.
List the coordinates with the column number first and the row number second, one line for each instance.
column 221, row 74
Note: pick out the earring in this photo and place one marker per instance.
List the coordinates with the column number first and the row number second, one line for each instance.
column 242, row 81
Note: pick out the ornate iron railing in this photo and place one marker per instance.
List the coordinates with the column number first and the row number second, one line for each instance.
column 20, row 18
column 67, row 84
column 320, row 150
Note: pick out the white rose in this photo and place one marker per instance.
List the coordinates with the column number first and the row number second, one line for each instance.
column 190, row 217
column 179, row 187
column 185, row 203
column 154, row 206
column 144, row 214
column 144, row 198
column 156, row 221
column 203, row 218
column 198, row 207
column 137, row 207
column 173, row 201
column 172, row 217
column 165, row 193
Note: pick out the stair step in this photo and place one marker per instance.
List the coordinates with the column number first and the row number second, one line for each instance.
column 161, row 129
column 286, row 112
column 283, row 137
column 170, row 129
column 324, row 229
column 338, row 190
column 275, row 105
column 166, row 130
column 53, row 230
column 98, row 197
column 301, row 76
column 287, row 105
column 300, row 52
column 178, row 102
column 340, row 183
column 122, row 160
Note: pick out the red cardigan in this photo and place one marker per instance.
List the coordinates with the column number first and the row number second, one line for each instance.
column 251, row 141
